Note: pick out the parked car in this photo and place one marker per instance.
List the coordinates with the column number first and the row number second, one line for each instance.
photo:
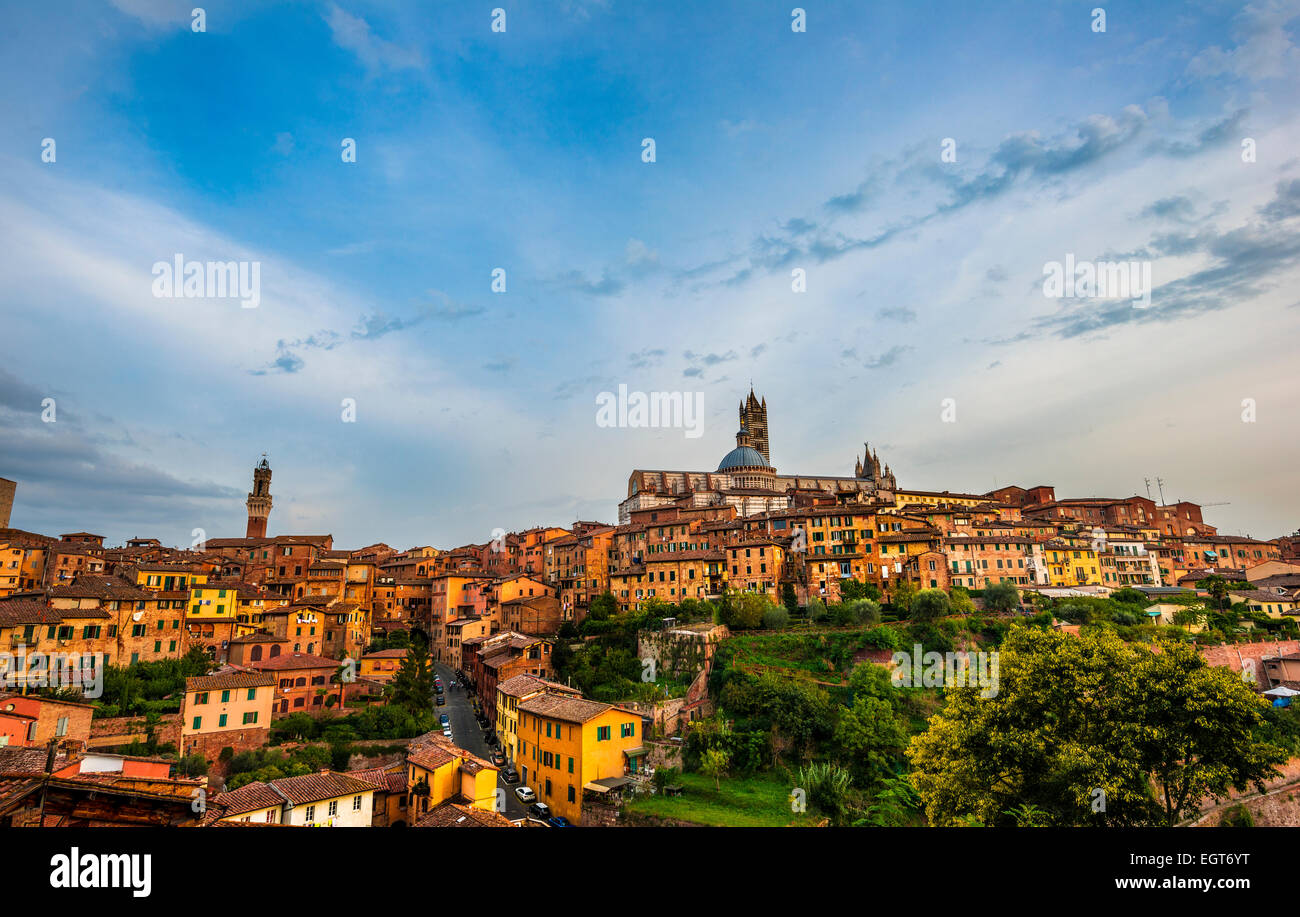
column 446, row 731
column 510, row 775
column 498, row 758
column 559, row 821
column 442, row 701
column 540, row 810
column 525, row 794
column 443, row 719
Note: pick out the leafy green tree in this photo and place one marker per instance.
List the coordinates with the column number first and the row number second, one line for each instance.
column 1217, row 586
column 1155, row 732
column 1001, row 598
column 776, row 617
column 961, row 601
column 864, row 612
column 930, row 605
column 715, row 765
column 901, row 596
column 603, row 607
column 1130, row 596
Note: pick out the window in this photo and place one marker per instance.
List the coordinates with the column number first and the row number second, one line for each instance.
column 334, row 807
column 602, row 733
column 198, row 721
column 310, row 815
column 571, row 793
column 61, row 729
column 221, row 721
column 201, row 697
column 250, row 718
column 252, row 693
column 356, row 803
column 225, row 697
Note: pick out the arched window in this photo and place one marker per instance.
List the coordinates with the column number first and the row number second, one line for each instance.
column 256, row 655
column 301, row 683
column 275, row 650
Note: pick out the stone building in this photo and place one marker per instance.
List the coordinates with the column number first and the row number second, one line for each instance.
column 747, row 480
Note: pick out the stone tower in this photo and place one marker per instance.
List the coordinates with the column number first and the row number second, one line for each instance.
column 259, row 501
column 753, row 418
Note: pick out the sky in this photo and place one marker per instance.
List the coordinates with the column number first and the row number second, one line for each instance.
column 921, row 325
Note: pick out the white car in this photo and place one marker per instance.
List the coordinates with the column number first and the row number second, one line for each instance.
column 525, row 794
column 446, row 730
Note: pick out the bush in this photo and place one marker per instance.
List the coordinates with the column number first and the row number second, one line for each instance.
column 930, row 605
column 776, row 617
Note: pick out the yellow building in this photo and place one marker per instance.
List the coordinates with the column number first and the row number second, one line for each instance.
column 1265, row 601
column 22, row 566
column 566, row 744
column 940, row 498
column 510, row 693
column 1071, row 565
column 381, row 665
column 438, row 771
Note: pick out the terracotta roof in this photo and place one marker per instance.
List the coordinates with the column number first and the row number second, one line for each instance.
column 295, row 661
column 457, row 815
column 519, row 685
column 20, row 760
column 27, row 610
column 228, row 680
column 101, row 587
column 384, row 779
column 308, row 788
column 571, row 709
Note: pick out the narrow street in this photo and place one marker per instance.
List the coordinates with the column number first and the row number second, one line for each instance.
column 466, row 733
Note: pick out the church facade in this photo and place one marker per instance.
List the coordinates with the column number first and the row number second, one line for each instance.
column 746, row 479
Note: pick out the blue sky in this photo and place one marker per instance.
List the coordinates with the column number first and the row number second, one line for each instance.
column 521, row 150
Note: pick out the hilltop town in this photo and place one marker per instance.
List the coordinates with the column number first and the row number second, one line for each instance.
column 735, row 636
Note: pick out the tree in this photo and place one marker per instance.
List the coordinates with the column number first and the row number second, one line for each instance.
column 603, row 607
column 412, row 685
column 961, row 602
column 902, row 595
column 776, row 617
column 715, row 764
column 1074, row 720
column 788, row 598
column 864, row 612
column 1217, row 586
column 929, row 605
column 1001, row 598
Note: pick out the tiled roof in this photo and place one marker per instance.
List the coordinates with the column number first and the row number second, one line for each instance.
column 27, row 610
column 249, row 798
column 19, row 760
column 229, row 680
column 384, row 779
column 457, row 815
column 295, row 661
column 519, row 685
column 308, row 788
column 100, row 587
column 571, row 709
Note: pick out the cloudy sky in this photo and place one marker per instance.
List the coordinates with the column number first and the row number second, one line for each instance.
column 776, row 151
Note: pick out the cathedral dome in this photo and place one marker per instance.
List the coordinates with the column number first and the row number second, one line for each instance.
column 742, row 457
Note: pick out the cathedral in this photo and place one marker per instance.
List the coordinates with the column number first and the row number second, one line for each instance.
column 747, row 480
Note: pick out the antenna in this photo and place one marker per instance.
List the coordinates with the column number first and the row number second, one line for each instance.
column 1148, row 483
column 1160, row 484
